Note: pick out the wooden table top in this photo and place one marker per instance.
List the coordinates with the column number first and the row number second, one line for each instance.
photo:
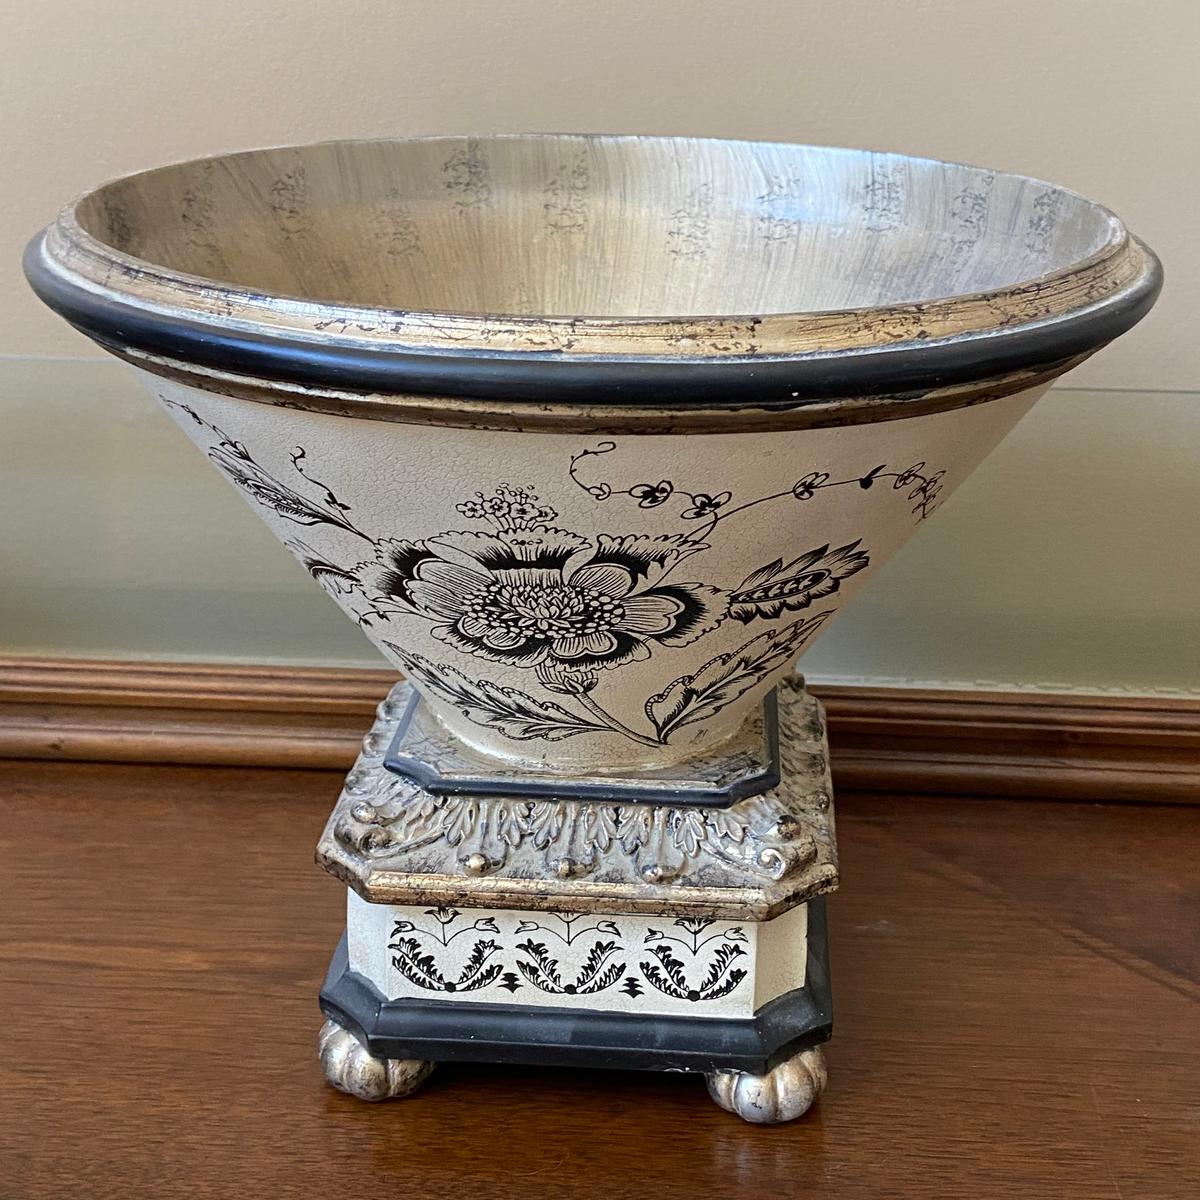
column 1017, row 1012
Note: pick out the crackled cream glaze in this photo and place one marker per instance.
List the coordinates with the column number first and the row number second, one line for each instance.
column 668, row 966
column 634, row 595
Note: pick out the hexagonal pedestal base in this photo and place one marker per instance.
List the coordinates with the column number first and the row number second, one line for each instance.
column 759, row 1066
column 584, row 930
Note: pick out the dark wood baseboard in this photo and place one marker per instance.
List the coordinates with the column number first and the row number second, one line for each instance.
column 1039, row 746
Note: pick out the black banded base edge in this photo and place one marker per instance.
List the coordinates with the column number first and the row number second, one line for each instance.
column 448, row 1031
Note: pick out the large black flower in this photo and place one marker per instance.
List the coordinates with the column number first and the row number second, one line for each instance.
column 544, row 596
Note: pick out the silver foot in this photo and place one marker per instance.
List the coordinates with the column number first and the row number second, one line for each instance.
column 350, row 1067
column 784, row 1093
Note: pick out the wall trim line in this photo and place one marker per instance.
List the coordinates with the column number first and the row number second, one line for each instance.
column 1048, row 746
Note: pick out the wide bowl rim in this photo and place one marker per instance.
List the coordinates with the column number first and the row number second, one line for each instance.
column 782, row 359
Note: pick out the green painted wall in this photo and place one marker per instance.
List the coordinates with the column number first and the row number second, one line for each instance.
column 1071, row 559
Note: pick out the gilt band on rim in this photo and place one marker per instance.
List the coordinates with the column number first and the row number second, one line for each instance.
column 935, row 353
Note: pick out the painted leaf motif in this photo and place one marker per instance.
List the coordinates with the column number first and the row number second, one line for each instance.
column 264, row 488
column 726, row 986
column 721, row 680
column 416, row 967
column 534, row 973
column 661, row 982
column 788, row 587
column 605, row 979
column 868, row 480
column 761, row 575
column 589, row 975
column 514, row 713
column 326, row 573
column 671, row 965
column 542, row 972
column 670, row 979
column 474, row 976
column 482, row 980
column 725, row 954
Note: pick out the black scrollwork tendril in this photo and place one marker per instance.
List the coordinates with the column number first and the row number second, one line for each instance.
column 716, row 506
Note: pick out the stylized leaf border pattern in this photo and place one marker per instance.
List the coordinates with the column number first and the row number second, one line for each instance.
column 519, row 591
column 690, row 961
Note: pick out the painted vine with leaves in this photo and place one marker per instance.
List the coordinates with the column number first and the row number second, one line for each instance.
column 516, row 589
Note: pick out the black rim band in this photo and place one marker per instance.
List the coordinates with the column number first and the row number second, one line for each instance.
column 552, row 377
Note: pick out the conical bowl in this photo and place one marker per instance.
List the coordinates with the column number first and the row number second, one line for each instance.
column 592, row 435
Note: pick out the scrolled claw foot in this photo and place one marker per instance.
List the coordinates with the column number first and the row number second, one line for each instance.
column 352, row 1068
column 784, row 1093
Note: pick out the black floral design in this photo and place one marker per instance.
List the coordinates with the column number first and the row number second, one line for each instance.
column 806, row 488
column 721, row 680
column 420, row 967
column 445, row 916
column 508, row 508
column 651, row 495
column 696, row 959
column 514, row 713
column 668, row 973
column 235, row 461
column 685, row 701
column 568, row 928
column 597, row 973
column 536, row 595
column 704, row 505
column 528, row 594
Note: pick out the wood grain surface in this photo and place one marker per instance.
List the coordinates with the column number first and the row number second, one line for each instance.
column 1017, row 993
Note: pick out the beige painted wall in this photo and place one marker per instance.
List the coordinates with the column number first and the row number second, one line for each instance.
column 1071, row 559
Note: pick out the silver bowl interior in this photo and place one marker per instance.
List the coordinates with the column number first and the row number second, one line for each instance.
column 568, row 225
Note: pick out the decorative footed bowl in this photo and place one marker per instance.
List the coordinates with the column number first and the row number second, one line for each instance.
column 592, row 435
